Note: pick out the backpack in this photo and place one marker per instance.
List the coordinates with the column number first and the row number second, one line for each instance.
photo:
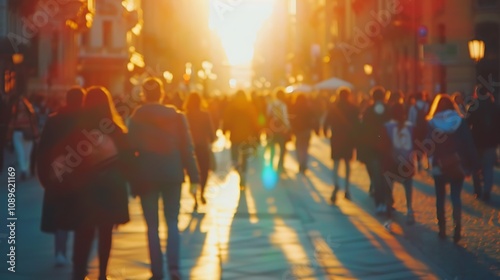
column 276, row 118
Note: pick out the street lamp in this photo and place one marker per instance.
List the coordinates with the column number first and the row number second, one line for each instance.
column 17, row 58
column 368, row 68
column 476, row 50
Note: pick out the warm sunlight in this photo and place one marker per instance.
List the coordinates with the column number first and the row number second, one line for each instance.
column 237, row 23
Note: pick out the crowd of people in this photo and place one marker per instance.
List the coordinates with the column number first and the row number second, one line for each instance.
column 96, row 151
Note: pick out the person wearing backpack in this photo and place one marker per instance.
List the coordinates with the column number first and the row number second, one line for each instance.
column 453, row 158
column 279, row 127
column 398, row 165
column 417, row 116
column 161, row 141
column 484, row 119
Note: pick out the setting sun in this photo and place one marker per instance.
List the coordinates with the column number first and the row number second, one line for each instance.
column 237, row 24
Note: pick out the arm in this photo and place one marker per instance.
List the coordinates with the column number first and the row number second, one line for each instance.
column 412, row 115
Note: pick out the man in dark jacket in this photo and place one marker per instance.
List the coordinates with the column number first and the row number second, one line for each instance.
column 163, row 148
column 484, row 118
column 371, row 148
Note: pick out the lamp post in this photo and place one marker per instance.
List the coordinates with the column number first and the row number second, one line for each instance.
column 476, row 53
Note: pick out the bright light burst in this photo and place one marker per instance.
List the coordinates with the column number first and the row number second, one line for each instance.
column 237, row 23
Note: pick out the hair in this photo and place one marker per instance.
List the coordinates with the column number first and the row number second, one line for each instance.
column 344, row 94
column 74, row 97
column 483, row 93
column 378, row 93
column 152, row 89
column 442, row 102
column 99, row 105
column 279, row 93
column 456, row 95
column 419, row 95
column 193, row 102
column 397, row 97
column 300, row 99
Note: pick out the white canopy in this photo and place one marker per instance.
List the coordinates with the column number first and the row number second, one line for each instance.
column 333, row 84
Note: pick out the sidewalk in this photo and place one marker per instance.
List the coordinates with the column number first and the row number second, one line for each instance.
column 286, row 230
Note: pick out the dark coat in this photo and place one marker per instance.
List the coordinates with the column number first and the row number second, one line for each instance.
column 370, row 133
column 58, row 210
column 484, row 120
column 201, row 127
column 162, row 141
column 341, row 120
column 303, row 118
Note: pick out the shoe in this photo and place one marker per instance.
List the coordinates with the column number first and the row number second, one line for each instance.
column 175, row 275
column 203, row 200
column 195, row 208
column 387, row 225
column 410, row 219
column 61, row 260
column 442, row 231
column 347, row 195
column 333, row 198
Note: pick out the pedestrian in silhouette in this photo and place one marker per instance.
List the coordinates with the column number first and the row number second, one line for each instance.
column 341, row 121
column 398, row 162
column 303, row 122
column 370, row 148
column 102, row 190
column 58, row 201
column 453, row 158
column 279, row 128
column 240, row 120
column 203, row 134
column 161, row 140
column 484, row 120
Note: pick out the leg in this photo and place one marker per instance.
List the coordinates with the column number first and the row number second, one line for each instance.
column 408, row 185
column 203, row 156
column 281, row 161
column 171, row 204
column 455, row 191
column 28, row 148
column 476, row 179
column 347, row 174
column 105, row 237
column 61, row 239
column 149, row 204
column 440, row 187
column 81, row 250
column 17, row 141
column 272, row 151
column 488, row 166
column 336, row 163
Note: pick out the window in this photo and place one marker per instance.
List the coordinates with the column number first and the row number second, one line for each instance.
column 107, row 34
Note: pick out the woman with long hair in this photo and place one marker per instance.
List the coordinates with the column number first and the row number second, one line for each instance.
column 103, row 198
column 453, row 158
column 203, row 134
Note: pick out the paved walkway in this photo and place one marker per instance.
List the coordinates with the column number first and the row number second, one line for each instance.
column 281, row 228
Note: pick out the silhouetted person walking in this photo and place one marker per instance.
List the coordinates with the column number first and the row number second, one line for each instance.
column 341, row 120
column 453, row 158
column 203, row 133
column 102, row 195
column 484, row 121
column 59, row 200
column 163, row 146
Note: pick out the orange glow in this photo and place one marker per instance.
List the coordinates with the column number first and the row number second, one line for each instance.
column 238, row 25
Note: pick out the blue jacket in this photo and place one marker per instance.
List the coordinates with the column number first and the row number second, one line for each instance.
column 162, row 144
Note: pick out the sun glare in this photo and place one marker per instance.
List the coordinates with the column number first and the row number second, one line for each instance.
column 237, row 23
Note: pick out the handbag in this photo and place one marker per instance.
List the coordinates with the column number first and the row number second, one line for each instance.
column 451, row 166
